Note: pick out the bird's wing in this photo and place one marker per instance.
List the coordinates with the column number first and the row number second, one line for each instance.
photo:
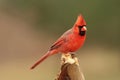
column 61, row 40
column 57, row 44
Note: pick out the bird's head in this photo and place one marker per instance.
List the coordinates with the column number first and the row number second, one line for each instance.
column 80, row 26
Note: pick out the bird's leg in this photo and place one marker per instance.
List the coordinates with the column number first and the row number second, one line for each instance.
column 67, row 58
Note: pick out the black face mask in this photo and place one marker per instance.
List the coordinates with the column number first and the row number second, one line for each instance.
column 81, row 33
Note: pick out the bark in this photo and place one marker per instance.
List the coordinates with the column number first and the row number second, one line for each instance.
column 70, row 68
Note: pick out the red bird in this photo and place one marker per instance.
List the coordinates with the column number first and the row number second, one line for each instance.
column 70, row 41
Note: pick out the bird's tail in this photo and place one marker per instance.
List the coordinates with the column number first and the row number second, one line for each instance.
column 42, row 59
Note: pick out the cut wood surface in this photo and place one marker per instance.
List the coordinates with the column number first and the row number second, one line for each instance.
column 70, row 68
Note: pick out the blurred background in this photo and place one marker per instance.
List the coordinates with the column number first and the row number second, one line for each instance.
column 29, row 27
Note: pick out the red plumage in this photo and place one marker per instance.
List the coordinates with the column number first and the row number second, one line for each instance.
column 70, row 41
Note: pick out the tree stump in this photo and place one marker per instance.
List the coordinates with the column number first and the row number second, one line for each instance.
column 70, row 68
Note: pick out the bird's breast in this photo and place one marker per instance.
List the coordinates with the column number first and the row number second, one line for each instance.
column 76, row 43
column 73, row 43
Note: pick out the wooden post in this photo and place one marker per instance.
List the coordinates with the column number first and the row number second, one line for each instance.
column 70, row 69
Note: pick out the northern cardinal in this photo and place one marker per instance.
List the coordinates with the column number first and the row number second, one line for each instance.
column 70, row 41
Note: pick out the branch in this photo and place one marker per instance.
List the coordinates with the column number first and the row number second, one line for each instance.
column 70, row 69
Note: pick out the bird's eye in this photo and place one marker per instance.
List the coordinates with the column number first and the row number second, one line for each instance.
column 80, row 26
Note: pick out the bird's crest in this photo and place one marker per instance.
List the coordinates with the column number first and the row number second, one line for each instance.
column 80, row 21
